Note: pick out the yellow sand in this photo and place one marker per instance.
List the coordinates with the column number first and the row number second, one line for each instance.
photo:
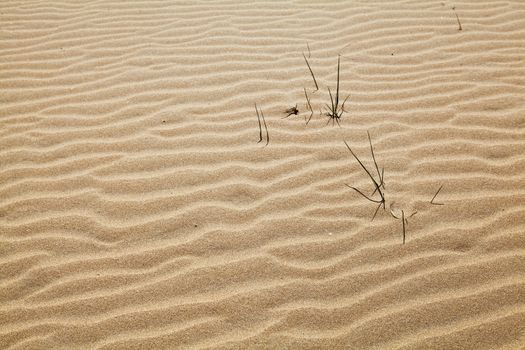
column 138, row 211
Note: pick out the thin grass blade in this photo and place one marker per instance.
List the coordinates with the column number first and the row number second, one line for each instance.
column 266, row 128
column 374, row 158
column 259, row 120
column 363, row 166
column 311, row 72
column 364, row 195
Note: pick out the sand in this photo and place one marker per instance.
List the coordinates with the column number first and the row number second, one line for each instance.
column 138, row 210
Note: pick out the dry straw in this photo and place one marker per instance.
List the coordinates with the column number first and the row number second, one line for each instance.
column 379, row 184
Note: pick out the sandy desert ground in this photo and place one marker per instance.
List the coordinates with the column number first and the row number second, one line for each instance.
column 138, row 210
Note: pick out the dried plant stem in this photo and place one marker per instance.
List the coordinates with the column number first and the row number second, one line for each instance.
column 291, row 111
column 403, row 220
column 432, row 200
column 377, row 183
column 335, row 111
column 457, row 17
column 259, row 117
column 311, row 72
column 266, row 128
column 309, row 53
column 259, row 120
column 309, row 107
column 380, row 175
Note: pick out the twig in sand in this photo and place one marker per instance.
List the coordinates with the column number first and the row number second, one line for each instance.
column 457, row 17
column 335, row 111
column 432, row 200
column 309, row 107
column 259, row 120
column 290, row 111
column 380, row 175
column 259, row 117
column 266, row 128
column 404, row 230
column 404, row 220
column 311, row 72
column 378, row 184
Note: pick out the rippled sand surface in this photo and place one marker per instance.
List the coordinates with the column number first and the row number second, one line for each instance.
column 138, row 210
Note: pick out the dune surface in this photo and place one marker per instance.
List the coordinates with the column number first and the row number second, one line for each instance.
column 139, row 211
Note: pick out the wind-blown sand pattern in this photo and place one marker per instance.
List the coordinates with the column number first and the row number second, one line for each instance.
column 138, row 211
